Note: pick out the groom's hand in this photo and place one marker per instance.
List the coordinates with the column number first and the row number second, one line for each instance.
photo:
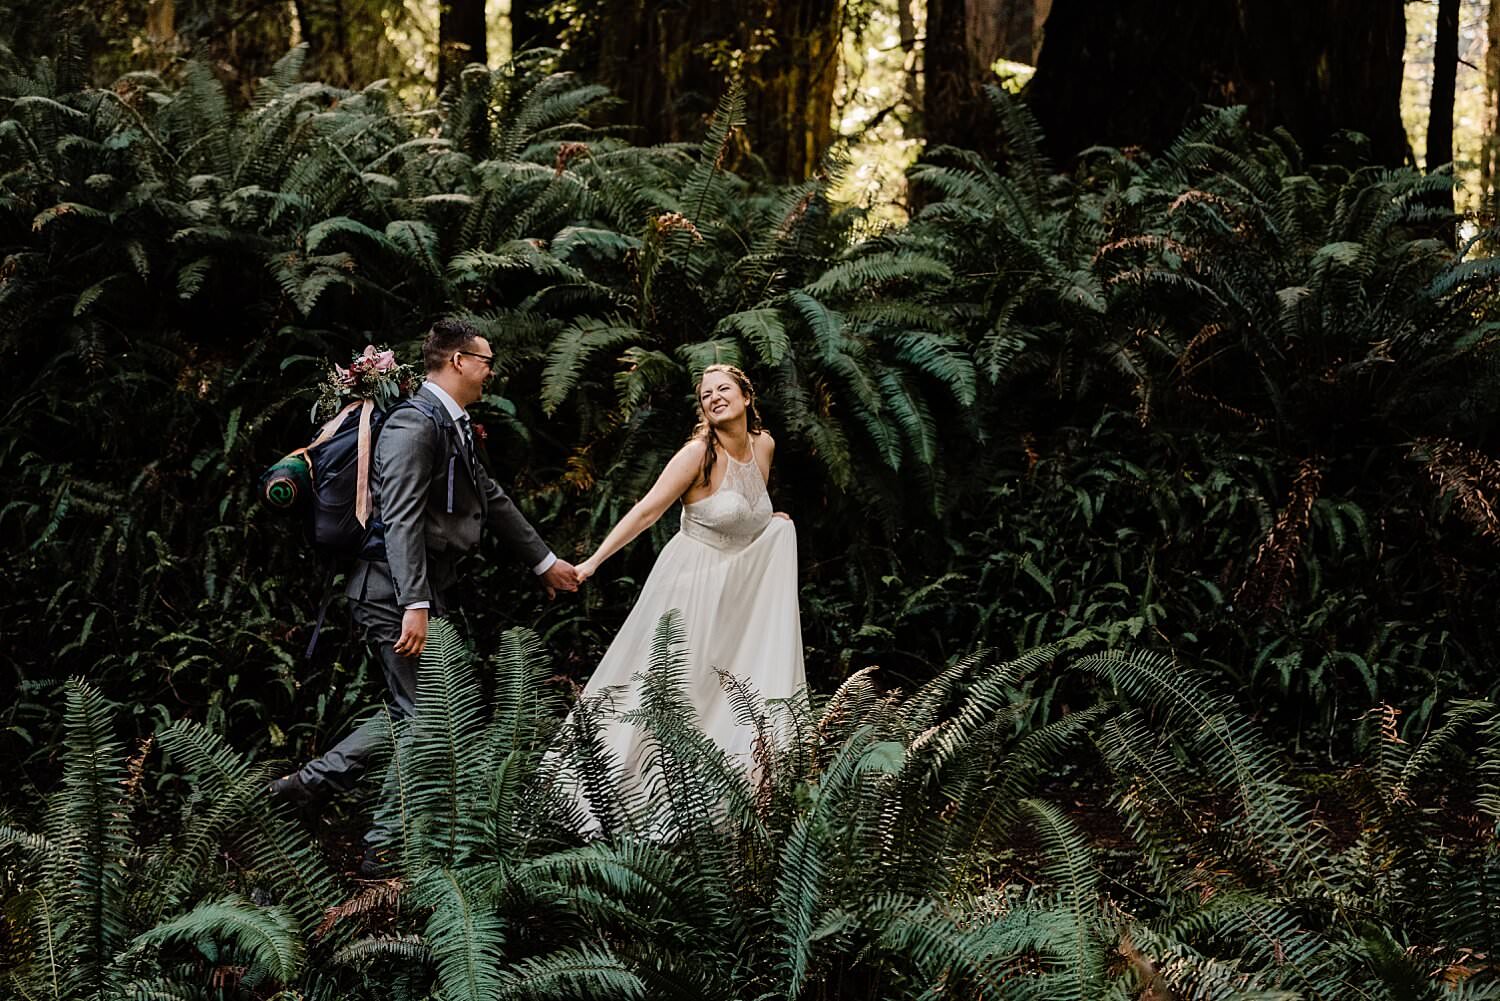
column 560, row 576
column 413, row 632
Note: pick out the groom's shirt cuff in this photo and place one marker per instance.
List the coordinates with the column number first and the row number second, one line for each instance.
column 419, row 604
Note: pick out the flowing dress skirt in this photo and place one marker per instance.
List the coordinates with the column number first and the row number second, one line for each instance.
column 738, row 611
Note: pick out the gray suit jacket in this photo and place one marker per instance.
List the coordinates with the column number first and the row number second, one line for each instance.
column 423, row 539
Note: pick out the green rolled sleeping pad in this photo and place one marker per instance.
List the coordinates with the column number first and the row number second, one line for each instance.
column 288, row 483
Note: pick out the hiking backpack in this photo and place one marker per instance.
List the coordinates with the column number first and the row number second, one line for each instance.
column 327, row 482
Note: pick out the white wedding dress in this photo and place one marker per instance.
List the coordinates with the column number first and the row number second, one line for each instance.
column 731, row 572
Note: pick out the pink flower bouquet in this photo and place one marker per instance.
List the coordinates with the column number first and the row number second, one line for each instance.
column 373, row 374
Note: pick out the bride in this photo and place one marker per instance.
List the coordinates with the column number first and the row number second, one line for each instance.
column 731, row 573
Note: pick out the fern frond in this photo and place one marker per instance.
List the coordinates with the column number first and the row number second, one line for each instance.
column 574, row 347
column 266, row 936
column 763, row 328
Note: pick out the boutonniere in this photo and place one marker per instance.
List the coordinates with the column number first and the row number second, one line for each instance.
column 480, row 434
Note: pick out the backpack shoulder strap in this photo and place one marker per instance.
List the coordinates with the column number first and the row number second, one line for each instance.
column 439, row 417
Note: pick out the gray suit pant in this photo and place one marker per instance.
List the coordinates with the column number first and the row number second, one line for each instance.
column 342, row 765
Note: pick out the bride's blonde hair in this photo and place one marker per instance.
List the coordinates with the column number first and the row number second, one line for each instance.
column 705, row 432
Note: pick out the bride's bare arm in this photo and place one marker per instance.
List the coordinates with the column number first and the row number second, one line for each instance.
column 673, row 482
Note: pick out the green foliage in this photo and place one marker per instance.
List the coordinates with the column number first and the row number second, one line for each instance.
column 1214, row 406
column 1232, row 405
column 93, row 911
column 878, row 846
column 1051, row 406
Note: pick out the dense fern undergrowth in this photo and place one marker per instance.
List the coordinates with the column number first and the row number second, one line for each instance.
column 860, row 863
column 1160, row 484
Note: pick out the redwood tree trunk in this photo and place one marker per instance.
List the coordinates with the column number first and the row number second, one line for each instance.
column 330, row 56
column 1489, row 153
column 1006, row 29
column 664, row 59
column 965, row 38
column 1134, row 72
column 461, row 38
column 1444, row 83
column 653, row 55
column 1440, row 110
column 789, row 85
column 953, row 105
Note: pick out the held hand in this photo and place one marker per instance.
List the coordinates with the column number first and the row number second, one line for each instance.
column 781, row 514
column 587, row 569
column 560, row 576
column 413, row 633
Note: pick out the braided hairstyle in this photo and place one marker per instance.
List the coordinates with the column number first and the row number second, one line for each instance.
column 705, row 432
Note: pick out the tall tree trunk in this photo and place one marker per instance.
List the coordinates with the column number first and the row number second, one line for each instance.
column 1006, row 29
column 304, row 20
column 654, row 56
column 1134, row 72
column 953, row 78
column 1440, row 110
column 789, row 84
column 530, row 28
column 1489, row 153
column 965, row 38
column 461, row 38
column 665, row 60
column 1444, row 84
column 244, row 38
column 1040, row 9
column 161, row 23
column 989, row 28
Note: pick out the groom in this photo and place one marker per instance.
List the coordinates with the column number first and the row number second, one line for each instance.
column 433, row 497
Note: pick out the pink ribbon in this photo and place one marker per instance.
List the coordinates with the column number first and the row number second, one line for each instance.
column 362, row 484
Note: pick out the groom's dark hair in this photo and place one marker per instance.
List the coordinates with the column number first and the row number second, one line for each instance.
column 446, row 337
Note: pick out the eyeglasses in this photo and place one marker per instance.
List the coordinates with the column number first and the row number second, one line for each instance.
column 489, row 360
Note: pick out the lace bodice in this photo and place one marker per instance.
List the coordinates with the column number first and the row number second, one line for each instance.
column 734, row 515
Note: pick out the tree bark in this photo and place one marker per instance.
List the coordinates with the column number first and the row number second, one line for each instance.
column 1135, row 72
column 325, row 32
column 953, row 107
column 461, row 38
column 789, row 84
column 1444, row 84
column 990, row 28
column 965, row 38
column 1440, row 109
column 242, row 38
column 670, row 61
column 1040, row 10
column 1489, row 153
column 653, row 55
column 1006, row 29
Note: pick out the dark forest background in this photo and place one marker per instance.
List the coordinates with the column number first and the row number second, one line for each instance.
column 1134, row 371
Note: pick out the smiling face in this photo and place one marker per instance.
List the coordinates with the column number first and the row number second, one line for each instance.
column 721, row 398
column 474, row 364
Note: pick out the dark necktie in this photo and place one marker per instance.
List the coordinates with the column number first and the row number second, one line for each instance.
column 468, row 436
